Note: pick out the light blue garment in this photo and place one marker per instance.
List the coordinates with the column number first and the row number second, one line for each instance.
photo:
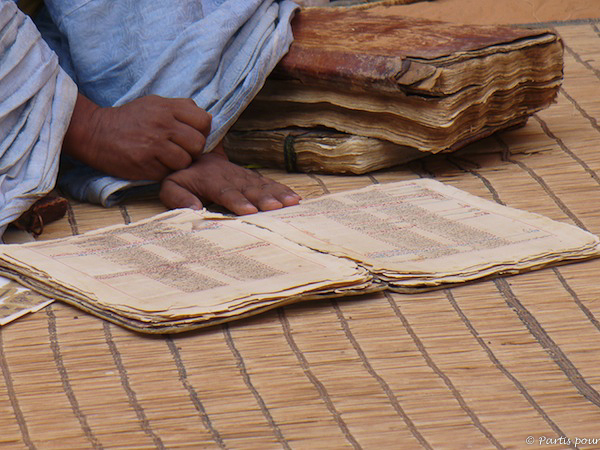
column 36, row 102
column 217, row 52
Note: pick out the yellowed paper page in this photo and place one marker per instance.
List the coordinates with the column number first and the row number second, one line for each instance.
column 17, row 301
column 423, row 229
column 181, row 264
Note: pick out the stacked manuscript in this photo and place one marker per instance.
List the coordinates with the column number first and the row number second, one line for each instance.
column 408, row 87
column 186, row 269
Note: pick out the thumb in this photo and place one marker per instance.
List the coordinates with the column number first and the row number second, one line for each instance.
column 172, row 195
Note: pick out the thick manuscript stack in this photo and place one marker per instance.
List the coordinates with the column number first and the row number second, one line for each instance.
column 186, row 269
column 408, row 87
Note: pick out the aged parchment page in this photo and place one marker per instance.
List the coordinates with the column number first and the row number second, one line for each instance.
column 181, row 264
column 423, row 233
column 16, row 301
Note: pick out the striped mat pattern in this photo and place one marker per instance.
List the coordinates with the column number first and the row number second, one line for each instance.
column 496, row 364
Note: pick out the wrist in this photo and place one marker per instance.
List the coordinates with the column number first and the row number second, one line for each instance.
column 78, row 141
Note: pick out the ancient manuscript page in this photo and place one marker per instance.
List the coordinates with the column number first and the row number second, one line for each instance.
column 423, row 231
column 181, row 264
column 16, row 301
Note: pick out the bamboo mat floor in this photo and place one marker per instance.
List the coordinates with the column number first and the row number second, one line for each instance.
column 489, row 365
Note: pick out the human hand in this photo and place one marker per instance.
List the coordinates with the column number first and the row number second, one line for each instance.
column 146, row 139
column 213, row 178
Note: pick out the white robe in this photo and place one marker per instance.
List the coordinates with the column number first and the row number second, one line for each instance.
column 217, row 52
column 36, row 102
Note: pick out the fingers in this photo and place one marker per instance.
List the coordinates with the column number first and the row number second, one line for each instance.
column 214, row 179
column 191, row 125
column 188, row 139
column 268, row 195
column 285, row 195
column 173, row 157
column 190, row 114
column 245, row 192
column 178, row 120
column 232, row 199
column 264, row 193
column 185, row 132
column 172, row 195
column 251, row 199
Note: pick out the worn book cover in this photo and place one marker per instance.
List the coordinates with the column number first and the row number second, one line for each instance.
column 425, row 86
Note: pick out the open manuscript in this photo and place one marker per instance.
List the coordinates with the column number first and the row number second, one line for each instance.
column 187, row 269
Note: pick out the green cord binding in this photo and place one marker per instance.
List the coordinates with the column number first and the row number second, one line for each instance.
column 289, row 154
